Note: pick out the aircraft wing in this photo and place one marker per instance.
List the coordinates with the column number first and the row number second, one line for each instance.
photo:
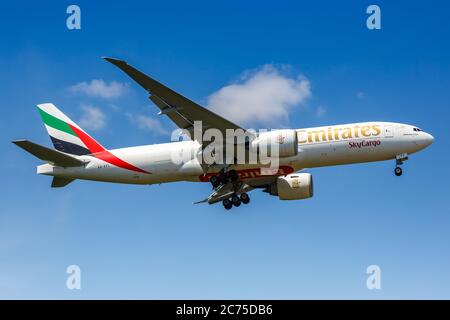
column 182, row 111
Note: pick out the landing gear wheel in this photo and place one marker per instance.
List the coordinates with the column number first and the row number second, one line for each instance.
column 245, row 198
column 215, row 181
column 227, row 204
column 398, row 171
column 235, row 200
column 223, row 177
column 234, row 176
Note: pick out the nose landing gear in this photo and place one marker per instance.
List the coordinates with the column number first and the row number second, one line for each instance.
column 398, row 171
column 399, row 161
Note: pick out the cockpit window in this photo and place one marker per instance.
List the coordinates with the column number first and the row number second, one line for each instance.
column 417, row 129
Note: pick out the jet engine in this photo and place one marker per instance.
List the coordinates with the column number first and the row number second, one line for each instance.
column 294, row 186
column 285, row 141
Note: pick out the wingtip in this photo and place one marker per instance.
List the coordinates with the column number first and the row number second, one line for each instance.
column 18, row 142
column 113, row 60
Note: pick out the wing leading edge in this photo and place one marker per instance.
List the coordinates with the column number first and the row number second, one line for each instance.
column 182, row 111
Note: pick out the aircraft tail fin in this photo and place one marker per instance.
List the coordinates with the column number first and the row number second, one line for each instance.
column 51, row 156
column 65, row 134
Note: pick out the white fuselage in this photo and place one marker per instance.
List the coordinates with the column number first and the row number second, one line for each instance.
column 317, row 147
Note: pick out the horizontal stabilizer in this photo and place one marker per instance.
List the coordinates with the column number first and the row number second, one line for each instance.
column 60, row 182
column 51, row 156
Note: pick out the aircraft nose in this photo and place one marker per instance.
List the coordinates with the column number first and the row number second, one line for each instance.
column 423, row 139
column 428, row 139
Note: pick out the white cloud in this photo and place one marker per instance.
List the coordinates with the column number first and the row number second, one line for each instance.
column 262, row 96
column 92, row 118
column 147, row 124
column 320, row 111
column 360, row 95
column 100, row 88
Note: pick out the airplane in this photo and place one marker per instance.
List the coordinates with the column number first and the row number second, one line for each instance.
column 76, row 155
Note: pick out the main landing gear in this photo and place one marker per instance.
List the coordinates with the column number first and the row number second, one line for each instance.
column 232, row 177
column 224, row 177
column 236, row 200
column 227, row 204
column 398, row 162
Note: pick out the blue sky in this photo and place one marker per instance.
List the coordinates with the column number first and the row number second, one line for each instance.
column 151, row 241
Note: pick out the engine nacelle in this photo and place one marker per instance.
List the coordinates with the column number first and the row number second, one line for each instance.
column 285, row 141
column 294, row 186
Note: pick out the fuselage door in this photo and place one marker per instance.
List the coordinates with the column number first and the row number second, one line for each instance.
column 388, row 131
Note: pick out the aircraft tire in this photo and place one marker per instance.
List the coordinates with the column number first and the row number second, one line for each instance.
column 236, row 201
column 215, row 181
column 234, row 176
column 227, row 204
column 245, row 198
